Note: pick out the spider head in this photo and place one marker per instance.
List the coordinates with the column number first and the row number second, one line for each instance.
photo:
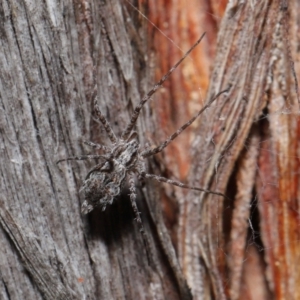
column 125, row 153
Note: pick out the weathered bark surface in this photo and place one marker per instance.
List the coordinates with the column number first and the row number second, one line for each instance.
column 56, row 56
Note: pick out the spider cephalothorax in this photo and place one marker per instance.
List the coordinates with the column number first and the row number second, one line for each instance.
column 124, row 159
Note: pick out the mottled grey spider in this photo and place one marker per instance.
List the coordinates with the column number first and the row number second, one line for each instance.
column 126, row 159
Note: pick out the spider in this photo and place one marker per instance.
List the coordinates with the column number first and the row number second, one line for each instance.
column 124, row 158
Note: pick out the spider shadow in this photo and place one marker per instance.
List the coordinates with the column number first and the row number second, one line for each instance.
column 116, row 222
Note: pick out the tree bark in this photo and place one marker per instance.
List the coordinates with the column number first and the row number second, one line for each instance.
column 56, row 57
column 246, row 145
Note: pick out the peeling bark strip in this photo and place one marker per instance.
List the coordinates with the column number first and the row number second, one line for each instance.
column 46, row 279
column 241, row 217
column 253, row 57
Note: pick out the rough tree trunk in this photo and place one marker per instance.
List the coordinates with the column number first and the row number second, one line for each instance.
column 246, row 145
column 56, row 56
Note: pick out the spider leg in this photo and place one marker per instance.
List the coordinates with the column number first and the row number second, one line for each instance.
column 105, row 123
column 137, row 214
column 97, row 146
column 82, row 157
column 138, row 108
column 180, row 184
column 149, row 152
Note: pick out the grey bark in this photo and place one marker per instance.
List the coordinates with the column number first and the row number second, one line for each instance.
column 55, row 57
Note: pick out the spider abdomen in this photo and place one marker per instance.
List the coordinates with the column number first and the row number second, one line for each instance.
column 101, row 187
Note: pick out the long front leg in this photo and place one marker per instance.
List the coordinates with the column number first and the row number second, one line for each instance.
column 136, row 112
column 137, row 215
column 105, row 123
column 149, row 152
column 180, row 184
column 82, row 157
column 97, row 146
